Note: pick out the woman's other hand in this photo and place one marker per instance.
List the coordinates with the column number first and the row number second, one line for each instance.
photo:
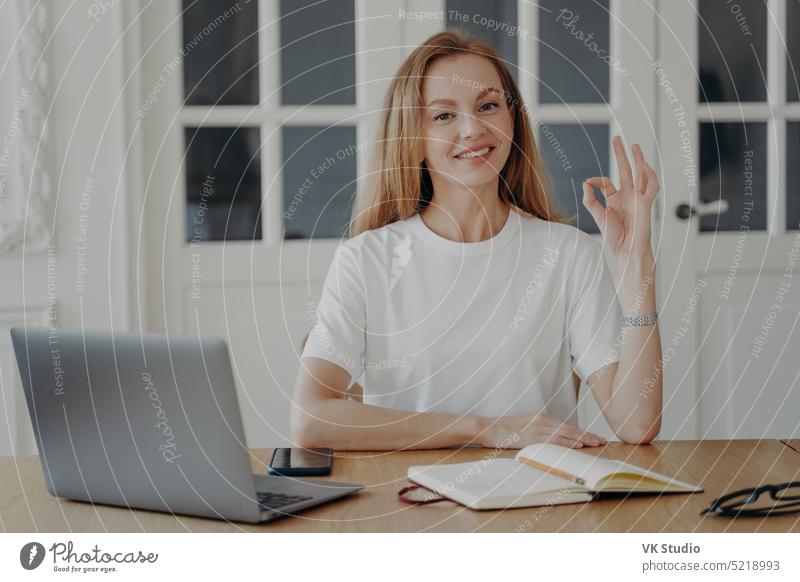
column 516, row 432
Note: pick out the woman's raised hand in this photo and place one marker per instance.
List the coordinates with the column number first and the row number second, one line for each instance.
column 625, row 221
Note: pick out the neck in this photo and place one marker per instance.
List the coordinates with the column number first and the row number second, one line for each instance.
column 463, row 214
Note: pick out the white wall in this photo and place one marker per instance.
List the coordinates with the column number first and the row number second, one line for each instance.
column 83, row 107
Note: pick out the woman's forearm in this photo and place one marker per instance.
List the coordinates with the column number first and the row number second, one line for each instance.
column 636, row 396
column 347, row 425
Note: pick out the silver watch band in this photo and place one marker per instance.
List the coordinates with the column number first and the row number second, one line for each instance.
column 649, row 319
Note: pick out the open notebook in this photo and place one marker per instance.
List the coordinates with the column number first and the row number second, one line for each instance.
column 540, row 474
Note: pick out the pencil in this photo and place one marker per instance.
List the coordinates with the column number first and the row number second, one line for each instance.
column 553, row 470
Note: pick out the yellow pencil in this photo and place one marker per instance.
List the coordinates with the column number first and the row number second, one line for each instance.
column 553, row 470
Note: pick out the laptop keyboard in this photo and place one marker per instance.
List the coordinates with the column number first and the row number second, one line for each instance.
column 268, row 500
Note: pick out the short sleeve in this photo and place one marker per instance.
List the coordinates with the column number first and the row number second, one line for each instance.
column 338, row 335
column 594, row 316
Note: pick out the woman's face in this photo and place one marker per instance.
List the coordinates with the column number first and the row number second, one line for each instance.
column 467, row 124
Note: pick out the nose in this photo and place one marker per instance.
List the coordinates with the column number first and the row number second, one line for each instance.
column 470, row 127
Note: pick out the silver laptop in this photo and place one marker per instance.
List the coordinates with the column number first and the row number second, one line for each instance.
column 150, row 422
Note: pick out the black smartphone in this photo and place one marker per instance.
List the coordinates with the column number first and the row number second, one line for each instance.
column 297, row 462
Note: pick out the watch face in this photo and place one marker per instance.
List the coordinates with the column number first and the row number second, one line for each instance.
column 309, row 457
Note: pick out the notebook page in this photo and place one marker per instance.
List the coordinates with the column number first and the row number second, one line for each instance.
column 626, row 468
column 588, row 467
column 494, row 478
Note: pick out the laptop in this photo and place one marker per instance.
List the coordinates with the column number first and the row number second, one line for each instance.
column 150, row 422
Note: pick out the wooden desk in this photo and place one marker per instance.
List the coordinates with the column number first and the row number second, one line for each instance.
column 719, row 466
column 793, row 444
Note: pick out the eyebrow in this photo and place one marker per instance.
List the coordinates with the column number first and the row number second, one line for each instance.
column 451, row 102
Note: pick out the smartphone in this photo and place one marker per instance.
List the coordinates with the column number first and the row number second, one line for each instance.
column 297, row 462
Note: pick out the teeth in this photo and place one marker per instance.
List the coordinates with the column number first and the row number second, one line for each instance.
column 482, row 152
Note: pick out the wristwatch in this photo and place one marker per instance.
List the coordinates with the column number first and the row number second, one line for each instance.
column 648, row 319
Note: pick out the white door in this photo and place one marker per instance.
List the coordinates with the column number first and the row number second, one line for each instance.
column 271, row 106
column 729, row 141
column 257, row 117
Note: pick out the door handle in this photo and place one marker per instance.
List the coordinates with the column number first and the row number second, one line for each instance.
column 684, row 211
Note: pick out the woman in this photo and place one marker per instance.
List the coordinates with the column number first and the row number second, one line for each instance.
column 463, row 297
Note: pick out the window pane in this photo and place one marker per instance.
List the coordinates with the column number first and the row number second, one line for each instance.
column 574, row 57
column 319, row 180
column 733, row 164
column 220, row 53
column 793, row 48
column 793, row 177
column 732, row 51
column 318, row 44
column 223, row 184
column 573, row 153
column 492, row 22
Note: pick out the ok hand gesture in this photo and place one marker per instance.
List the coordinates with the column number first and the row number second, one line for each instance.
column 625, row 221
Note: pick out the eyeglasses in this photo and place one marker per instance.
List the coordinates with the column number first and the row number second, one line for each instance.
column 786, row 498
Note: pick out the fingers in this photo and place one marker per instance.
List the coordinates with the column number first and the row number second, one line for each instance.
column 592, row 204
column 625, row 172
column 577, row 434
column 570, row 443
column 642, row 176
column 559, row 432
column 565, row 442
column 590, row 201
column 652, row 183
column 573, row 433
column 605, row 185
column 647, row 180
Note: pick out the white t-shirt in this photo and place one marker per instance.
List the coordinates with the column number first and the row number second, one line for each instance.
column 488, row 328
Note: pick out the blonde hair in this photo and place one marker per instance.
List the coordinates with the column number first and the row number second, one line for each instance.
column 398, row 186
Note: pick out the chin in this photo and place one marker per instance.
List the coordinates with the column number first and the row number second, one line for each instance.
column 474, row 179
column 478, row 184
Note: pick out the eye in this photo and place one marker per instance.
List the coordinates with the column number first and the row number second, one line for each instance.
column 488, row 104
column 440, row 117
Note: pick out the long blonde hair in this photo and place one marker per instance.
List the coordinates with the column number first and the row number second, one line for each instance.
column 398, row 186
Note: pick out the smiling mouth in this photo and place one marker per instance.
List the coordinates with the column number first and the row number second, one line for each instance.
column 476, row 154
